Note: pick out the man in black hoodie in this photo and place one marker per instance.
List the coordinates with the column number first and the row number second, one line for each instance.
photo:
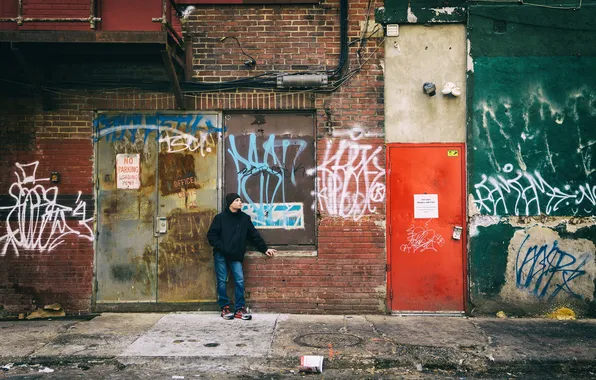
column 227, row 235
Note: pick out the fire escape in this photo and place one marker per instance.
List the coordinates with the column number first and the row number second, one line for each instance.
column 50, row 45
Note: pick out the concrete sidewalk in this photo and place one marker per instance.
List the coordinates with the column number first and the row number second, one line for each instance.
column 278, row 340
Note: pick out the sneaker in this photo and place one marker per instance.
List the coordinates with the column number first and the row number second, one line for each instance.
column 226, row 313
column 242, row 314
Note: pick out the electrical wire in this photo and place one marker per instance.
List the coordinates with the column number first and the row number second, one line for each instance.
column 531, row 4
column 252, row 61
column 262, row 81
column 362, row 39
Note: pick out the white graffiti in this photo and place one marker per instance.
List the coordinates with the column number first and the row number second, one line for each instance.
column 36, row 221
column 526, row 193
column 350, row 179
column 175, row 133
column 173, row 139
column 356, row 133
column 422, row 238
column 502, row 120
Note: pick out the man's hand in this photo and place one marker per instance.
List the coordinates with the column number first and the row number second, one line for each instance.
column 270, row 252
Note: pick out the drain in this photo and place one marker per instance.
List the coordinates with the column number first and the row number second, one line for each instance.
column 324, row 340
column 211, row 344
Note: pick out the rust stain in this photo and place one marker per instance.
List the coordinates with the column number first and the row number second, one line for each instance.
column 186, row 258
column 144, row 276
column 177, row 174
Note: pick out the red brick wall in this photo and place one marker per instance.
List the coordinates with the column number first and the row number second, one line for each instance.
column 348, row 273
column 44, row 265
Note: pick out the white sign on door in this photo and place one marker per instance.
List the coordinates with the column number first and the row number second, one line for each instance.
column 426, row 206
column 128, row 171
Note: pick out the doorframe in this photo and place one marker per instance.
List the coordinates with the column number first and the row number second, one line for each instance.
column 463, row 147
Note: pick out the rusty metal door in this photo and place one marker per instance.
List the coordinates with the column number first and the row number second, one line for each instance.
column 157, row 178
column 188, row 199
column 426, row 227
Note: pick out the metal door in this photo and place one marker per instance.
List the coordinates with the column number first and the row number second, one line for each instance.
column 426, row 228
column 270, row 163
column 156, row 196
column 188, row 199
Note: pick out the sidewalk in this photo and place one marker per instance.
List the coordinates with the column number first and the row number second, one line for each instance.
column 278, row 340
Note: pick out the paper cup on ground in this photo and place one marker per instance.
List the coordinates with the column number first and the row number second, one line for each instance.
column 311, row 364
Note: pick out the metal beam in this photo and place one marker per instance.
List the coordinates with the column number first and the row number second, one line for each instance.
column 81, row 36
column 171, row 71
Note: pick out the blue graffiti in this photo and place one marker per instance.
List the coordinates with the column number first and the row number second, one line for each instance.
column 547, row 271
column 270, row 165
column 117, row 127
column 277, row 215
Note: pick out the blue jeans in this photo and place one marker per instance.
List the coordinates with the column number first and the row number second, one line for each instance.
column 221, row 274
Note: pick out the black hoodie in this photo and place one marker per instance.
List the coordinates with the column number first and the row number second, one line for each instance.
column 229, row 231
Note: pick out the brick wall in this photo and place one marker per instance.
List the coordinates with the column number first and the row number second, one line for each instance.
column 348, row 273
column 46, row 248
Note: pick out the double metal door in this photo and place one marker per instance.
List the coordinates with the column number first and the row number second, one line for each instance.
column 157, row 177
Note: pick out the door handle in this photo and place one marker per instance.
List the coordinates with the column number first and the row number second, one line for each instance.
column 161, row 225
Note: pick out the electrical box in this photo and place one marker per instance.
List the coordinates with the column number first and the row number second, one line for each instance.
column 392, row 30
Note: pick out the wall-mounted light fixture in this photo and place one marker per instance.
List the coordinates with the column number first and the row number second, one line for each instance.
column 55, row 177
column 429, row 88
column 451, row 89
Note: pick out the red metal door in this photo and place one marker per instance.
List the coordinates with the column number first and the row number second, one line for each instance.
column 426, row 210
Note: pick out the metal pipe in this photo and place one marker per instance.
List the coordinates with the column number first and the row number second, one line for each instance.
column 47, row 19
column 19, row 18
column 92, row 14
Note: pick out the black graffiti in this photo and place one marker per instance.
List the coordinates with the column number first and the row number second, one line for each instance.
column 276, row 170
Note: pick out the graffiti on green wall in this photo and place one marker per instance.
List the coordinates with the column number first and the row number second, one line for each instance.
column 533, row 136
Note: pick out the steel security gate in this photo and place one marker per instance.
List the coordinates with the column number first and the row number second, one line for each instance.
column 157, row 177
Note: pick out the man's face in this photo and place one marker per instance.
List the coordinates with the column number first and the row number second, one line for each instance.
column 236, row 205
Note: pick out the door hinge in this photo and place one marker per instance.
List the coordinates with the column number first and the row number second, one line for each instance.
column 391, row 294
column 387, row 267
column 390, row 230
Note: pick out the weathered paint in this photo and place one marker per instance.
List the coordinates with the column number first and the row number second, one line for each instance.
column 544, row 268
column 188, row 199
column 425, row 54
column 270, row 163
column 126, row 258
column 178, row 175
column 488, row 258
column 532, row 186
column 534, row 138
column 422, row 12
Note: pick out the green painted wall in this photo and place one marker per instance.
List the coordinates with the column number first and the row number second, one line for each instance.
column 531, row 165
column 421, row 11
column 533, row 135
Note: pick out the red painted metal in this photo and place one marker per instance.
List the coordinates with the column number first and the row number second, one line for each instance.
column 8, row 9
column 130, row 15
column 427, row 266
column 246, row 2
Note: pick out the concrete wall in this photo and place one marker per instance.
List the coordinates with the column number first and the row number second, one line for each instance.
column 425, row 54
